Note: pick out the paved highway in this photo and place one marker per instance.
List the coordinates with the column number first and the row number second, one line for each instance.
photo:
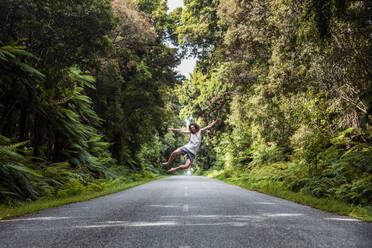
column 184, row 212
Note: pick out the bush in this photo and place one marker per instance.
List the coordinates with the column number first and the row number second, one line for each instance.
column 267, row 154
column 73, row 187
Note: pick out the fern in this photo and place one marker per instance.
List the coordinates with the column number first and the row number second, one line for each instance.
column 16, row 145
column 17, row 179
column 10, row 54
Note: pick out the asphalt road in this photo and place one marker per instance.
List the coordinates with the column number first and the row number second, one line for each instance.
column 185, row 211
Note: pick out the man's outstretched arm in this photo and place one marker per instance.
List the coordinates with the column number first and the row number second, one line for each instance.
column 179, row 130
column 211, row 125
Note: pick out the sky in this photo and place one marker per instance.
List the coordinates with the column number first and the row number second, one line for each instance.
column 187, row 65
column 172, row 4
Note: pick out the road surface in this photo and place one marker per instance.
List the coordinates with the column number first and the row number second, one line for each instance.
column 185, row 212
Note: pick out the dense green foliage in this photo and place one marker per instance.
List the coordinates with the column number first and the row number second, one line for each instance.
column 87, row 90
column 292, row 81
column 84, row 93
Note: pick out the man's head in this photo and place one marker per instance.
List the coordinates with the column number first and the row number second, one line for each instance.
column 194, row 128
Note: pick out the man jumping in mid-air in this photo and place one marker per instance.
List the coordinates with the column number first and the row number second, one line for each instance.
column 190, row 148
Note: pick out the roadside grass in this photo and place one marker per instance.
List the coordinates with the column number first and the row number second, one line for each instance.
column 21, row 208
column 277, row 189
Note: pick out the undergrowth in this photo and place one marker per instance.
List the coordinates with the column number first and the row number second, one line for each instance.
column 270, row 180
column 74, row 191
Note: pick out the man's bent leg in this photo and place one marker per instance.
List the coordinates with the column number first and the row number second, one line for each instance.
column 182, row 167
column 172, row 156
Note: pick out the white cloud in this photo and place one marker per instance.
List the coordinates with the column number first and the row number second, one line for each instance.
column 172, row 4
column 186, row 67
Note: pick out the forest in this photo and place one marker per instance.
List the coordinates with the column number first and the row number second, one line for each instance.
column 89, row 88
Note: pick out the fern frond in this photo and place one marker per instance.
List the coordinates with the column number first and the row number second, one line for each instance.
column 25, row 67
column 22, row 168
column 16, row 145
column 84, row 79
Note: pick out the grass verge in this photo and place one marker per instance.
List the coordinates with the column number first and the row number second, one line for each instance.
column 33, row 206
column 277, row 189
